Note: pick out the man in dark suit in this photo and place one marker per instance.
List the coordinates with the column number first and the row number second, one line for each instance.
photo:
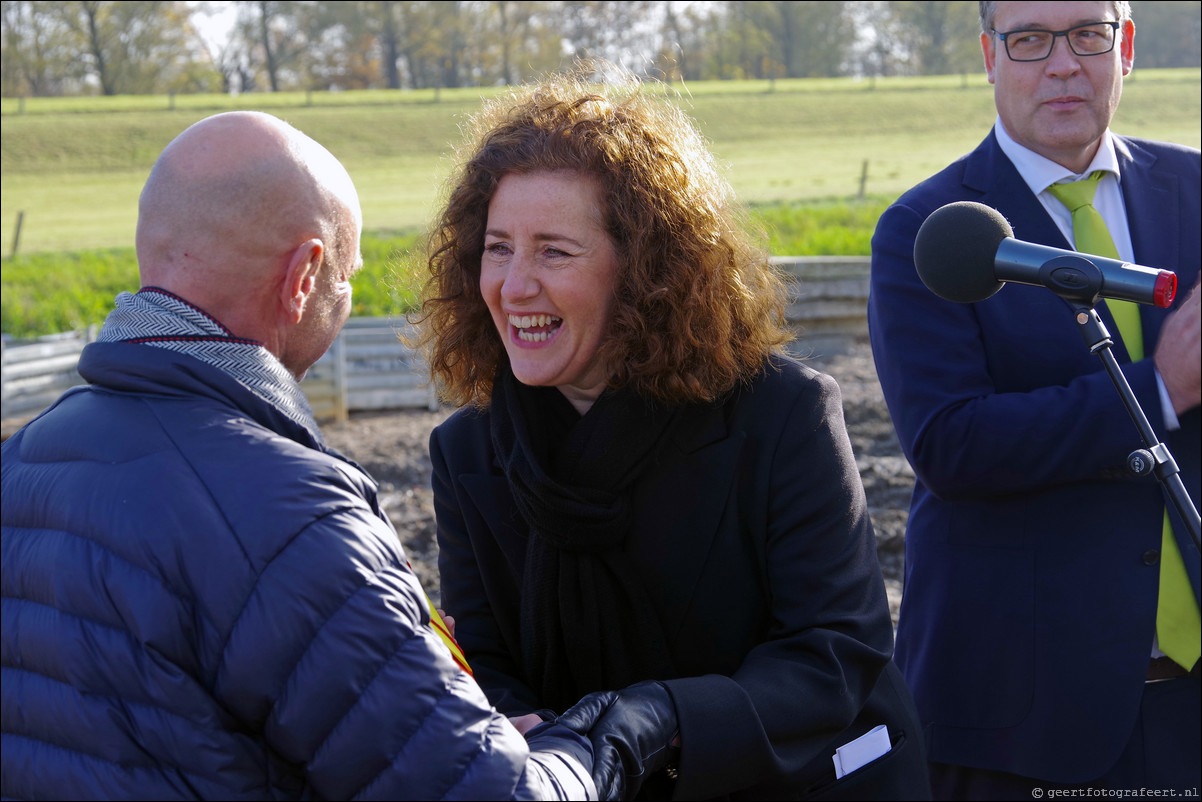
column 1028, row 629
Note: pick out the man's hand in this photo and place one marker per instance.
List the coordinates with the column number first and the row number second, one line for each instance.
column 1178, row 353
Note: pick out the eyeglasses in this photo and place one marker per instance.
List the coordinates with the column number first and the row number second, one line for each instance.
column 1092, row 39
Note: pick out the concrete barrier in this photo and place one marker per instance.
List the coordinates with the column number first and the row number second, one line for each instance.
column 34, row 374
column 368, row 368
column 828, row 308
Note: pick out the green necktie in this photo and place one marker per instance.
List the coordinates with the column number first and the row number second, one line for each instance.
column 1178, row 622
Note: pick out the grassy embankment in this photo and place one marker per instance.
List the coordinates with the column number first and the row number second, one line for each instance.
column 799, row 154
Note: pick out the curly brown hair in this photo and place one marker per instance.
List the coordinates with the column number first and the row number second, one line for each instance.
column 697, row 303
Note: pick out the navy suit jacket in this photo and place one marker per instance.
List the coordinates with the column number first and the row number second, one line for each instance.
column 1032, row 557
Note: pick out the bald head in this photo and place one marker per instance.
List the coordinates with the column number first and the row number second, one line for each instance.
column 228, row 204
column 241, row 185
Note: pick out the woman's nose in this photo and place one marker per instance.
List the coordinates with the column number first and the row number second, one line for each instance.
column 520, row 283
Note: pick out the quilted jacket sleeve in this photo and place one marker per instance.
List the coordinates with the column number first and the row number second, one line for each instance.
column 332, row 657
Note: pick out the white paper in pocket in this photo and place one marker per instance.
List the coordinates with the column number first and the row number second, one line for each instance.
column 862, row 751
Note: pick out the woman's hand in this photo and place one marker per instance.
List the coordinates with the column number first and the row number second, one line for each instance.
column 450, row 622
column 527, row 722
column 633, row 731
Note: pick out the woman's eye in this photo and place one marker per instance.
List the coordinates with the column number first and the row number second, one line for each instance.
column 496, row 248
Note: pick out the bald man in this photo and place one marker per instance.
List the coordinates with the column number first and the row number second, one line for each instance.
column 200, row 600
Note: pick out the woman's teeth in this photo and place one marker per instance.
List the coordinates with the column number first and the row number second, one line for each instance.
column 534, row 328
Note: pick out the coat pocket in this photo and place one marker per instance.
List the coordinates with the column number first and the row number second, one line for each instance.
column 900, row 773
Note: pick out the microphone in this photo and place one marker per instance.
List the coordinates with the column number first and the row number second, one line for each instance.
column 965, row 251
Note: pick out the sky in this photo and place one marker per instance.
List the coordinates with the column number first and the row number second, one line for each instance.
column 215, row 21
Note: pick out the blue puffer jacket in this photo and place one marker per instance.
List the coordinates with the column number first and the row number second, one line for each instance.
column 200, row 602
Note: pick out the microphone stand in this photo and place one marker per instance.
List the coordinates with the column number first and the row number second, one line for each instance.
column 1155, row 456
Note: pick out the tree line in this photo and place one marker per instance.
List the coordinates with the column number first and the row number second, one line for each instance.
column 51, row 47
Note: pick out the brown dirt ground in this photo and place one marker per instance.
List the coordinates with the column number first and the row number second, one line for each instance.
column 393, row 447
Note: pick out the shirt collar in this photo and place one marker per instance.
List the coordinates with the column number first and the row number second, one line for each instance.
column 1040, row 172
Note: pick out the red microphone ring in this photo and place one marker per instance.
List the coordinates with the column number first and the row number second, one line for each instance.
column 1165, row 289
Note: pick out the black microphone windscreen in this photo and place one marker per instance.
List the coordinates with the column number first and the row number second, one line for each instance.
column 955, row 249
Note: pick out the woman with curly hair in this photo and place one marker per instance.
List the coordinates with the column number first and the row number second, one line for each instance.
column 644, row 501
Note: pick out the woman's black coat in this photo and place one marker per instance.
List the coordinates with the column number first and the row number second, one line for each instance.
column 752, row 536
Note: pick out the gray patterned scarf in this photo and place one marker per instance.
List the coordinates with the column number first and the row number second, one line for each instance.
column 156, row 317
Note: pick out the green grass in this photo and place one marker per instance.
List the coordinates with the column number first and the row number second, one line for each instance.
column 75, row 166
column 52, row 292
column 389, row 282
column 821, row 228
column 796, row 151
column 77, row 176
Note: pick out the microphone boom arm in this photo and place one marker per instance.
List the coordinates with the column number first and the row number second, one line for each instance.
column 1164, row 466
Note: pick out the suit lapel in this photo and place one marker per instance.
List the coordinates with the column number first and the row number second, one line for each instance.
column 1149, row 197
column 993, row 174
column 990, row 172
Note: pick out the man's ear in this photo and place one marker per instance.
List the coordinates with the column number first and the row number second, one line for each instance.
column 1127, row 46
column 989, row 51
column 300, row 278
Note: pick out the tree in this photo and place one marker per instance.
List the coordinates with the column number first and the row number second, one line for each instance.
column 519, row 39
column 615, row 30
column 939, row 37
column 37, row 53
column 504, row 15
column 134, row 47
column 343, row 50
column 784, row 39
column 745, row 44
column 881, row 47
column 450, row 23
column 269, row 27
column 687, row 52
column 388, row 34
column 1167, row 34
column 815, row 38
column 277, row 40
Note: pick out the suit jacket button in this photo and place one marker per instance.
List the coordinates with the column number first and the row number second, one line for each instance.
column 1151, row 557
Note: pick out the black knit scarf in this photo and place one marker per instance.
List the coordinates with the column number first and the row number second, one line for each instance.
column 586, row 621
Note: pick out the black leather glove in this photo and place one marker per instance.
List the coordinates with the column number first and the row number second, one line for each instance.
column 631, row 731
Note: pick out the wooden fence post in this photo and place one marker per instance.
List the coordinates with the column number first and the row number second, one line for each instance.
column 17, row 234
column 341, row 406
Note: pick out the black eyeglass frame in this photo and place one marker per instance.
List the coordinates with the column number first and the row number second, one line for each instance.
column 1114, row 26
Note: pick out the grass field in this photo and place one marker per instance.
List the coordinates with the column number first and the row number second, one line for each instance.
column 75, row 166
column 55, row 291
